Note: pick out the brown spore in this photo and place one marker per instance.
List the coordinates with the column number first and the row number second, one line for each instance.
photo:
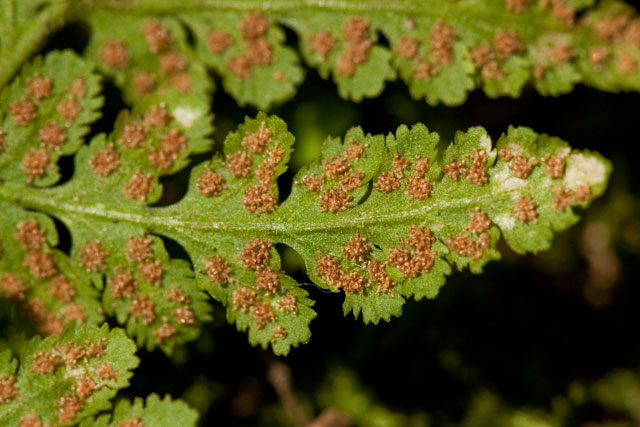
column 74, row 313
column 144, row 82
column 477, row 172
column 313, row 182
column 479, row 222
column 151, row 271
column 78, row 87
column 465, row 246
column 441, row 38
column 243, row 298
column 104, row 161
column 454, row 169
column 210, row 183
column 262, row 315
column 142, row 307
column 583, row 193
column 598, row 56
column 253, row 25
column 44, row 362
column 23, row 112
column 31, row 420
column 184, row 315
column 240, row 65
column 377, row 274
column 217, row 269
column 69, row 108
column 627, row 64
column 13, row 287
column 400, row 258
column 92, row 256
column 96, row 349
column 356, row 248
column 114, row 55
column 267, row 281
column 39, row 87
column 30, row 235
column 521, row 167
column 68, row 406
column 562, row 198
column 72, row 354
column 554, row 167
column 255, row 254
column 133, row 135
column 138, row 248
column 173, row 62
column 158, row 36
column 259, row 52
column 257, row 199
column 139, row 186
column 157, row 116
column 407, row 46
column 62, row 289
column 288, row 304
column 278, row 333
column 507, row 43
column 166, row 330
column 106, row 372
column 419, row 187
column 239, row 164
column 177, row 295
column 351, row 181
column 322, row 43
column 328, row 268
column 8, row 390
column 256, row 141
column 517, row 6
column 40, row 264
column 336, row 167
column 387, row 181
column 122, row 284
column 525, row 210
column 351, row 283
column 35, row 163
column 218, row 41
column 85, row 386
column 335, row 200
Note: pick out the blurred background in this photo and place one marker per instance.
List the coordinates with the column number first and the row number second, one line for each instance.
column 535, row 340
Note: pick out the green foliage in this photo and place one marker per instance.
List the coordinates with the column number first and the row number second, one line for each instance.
column 440, row 49
column 380, row 218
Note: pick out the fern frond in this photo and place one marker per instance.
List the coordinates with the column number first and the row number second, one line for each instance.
column 61, row 380
column 441, row 49
column 378, row 218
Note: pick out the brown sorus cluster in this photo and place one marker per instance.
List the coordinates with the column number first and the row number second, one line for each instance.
column 583, row 193
column 184, row 315
column 173, row 62
column 218, row 41
column 166, row 330
column 267, row 281
column 40, row 264
column 61, row 289
column 407, row 46
column 279, row 333
column 133, row 135
column 13, row 287
column 8, row 391
column 416, row 255
column 92, row 256
column 441, row 38
column 313, row 182
column 30, row 235
column 554, row 167
column 158, row 36
column 210, row 183
column 255, row 254
column 262, row 314
column 142, row 307
column 477, row 171
column 351, row 181
column 243, row 298
column 562, row 198
column 114, row 54
column 598, row 56
column 52, row 135
column 465, row 246
column 561, row 10
column 69, row 108
column 45, row 362
column 520, row 166
column 454, row 169
column 68, row 406
column 144, row 82
column 31, row 420
column 105, row 160
column 106, row 372
column 239, row 164
column 258, row 199
column 138, row 186
column 322, row 43
column 122, row 284
column 173, row 143
column 217, row 269
column 39, row 87
column 507, row 43
column 253, row 28
column 517, row 6
column 139, row 248
column 3, row 141
column 335, row 200
column 418, row 185
column 337, row 167
column 23, row 112
column 46, row 323
column 84, row 386
column 256, row 141
column 73, row 312
column 388, row 181
column 358, row 43
column 560, row 54
column 177, row 295
column 288, row 304
column 157, row 116
column 525, row 210
column 328, row 268
column 627, row 64
column 479, row 222
column 35, row 163
column 356, row 248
